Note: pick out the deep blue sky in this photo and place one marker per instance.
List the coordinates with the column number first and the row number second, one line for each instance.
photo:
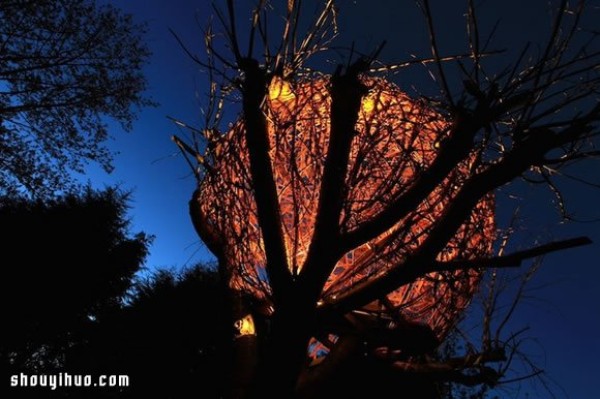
column 565, row 317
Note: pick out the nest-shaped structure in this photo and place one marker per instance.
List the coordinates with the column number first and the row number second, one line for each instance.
column 396, row 139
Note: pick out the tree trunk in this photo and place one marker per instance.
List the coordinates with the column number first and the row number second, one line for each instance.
column 285, row 352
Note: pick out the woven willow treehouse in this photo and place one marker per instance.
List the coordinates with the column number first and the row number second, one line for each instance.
column 350, row 220
column 395, row 138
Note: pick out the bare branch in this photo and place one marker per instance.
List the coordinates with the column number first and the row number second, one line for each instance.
column 449, row 372
column 233, row 32
column 512, row 260
column 436, row 54
column 394, row 66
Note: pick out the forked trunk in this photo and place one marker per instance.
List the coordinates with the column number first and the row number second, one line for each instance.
column 268, row 360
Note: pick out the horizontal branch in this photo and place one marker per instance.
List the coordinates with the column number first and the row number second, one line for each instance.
column 512, row 260
column 444, row 372
column 452, row 369
column 428, row 60
column 455, row 363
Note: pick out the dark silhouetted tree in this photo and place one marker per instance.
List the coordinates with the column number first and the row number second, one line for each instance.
column 172, row 338
column 360, row 220
column 67, row 264
column 71, row 302
column 65, row 65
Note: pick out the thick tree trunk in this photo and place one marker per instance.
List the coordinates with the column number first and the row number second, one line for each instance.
column 316, row 382
column 285, row 352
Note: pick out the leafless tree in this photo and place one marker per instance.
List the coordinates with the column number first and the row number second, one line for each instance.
column 66, row 67
column 355, row 221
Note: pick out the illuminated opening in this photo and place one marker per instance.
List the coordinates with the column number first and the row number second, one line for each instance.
column 368, row 104
column 396, row 139
column 244, row 326
column 281, row 90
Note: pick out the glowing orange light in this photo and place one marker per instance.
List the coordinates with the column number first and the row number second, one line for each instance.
column 245, row 326
column 368, row 104
column 280, row 90
column 397, row 139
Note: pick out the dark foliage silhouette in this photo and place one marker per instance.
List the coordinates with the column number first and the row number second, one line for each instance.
column 67, row 265
column 171, row 338
column 64, row 67
column 71, row 303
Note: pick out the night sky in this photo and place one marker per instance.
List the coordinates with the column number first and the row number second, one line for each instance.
column 563, row 313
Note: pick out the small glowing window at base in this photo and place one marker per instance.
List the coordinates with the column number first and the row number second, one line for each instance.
column 244, row 326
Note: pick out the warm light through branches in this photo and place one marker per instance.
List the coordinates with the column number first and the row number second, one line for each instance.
column 353, row 219
column 395, row 139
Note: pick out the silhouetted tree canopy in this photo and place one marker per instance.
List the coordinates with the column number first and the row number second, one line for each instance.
column 65, row 65
column 67, row 264
column 71, row 301
column 172, row 338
